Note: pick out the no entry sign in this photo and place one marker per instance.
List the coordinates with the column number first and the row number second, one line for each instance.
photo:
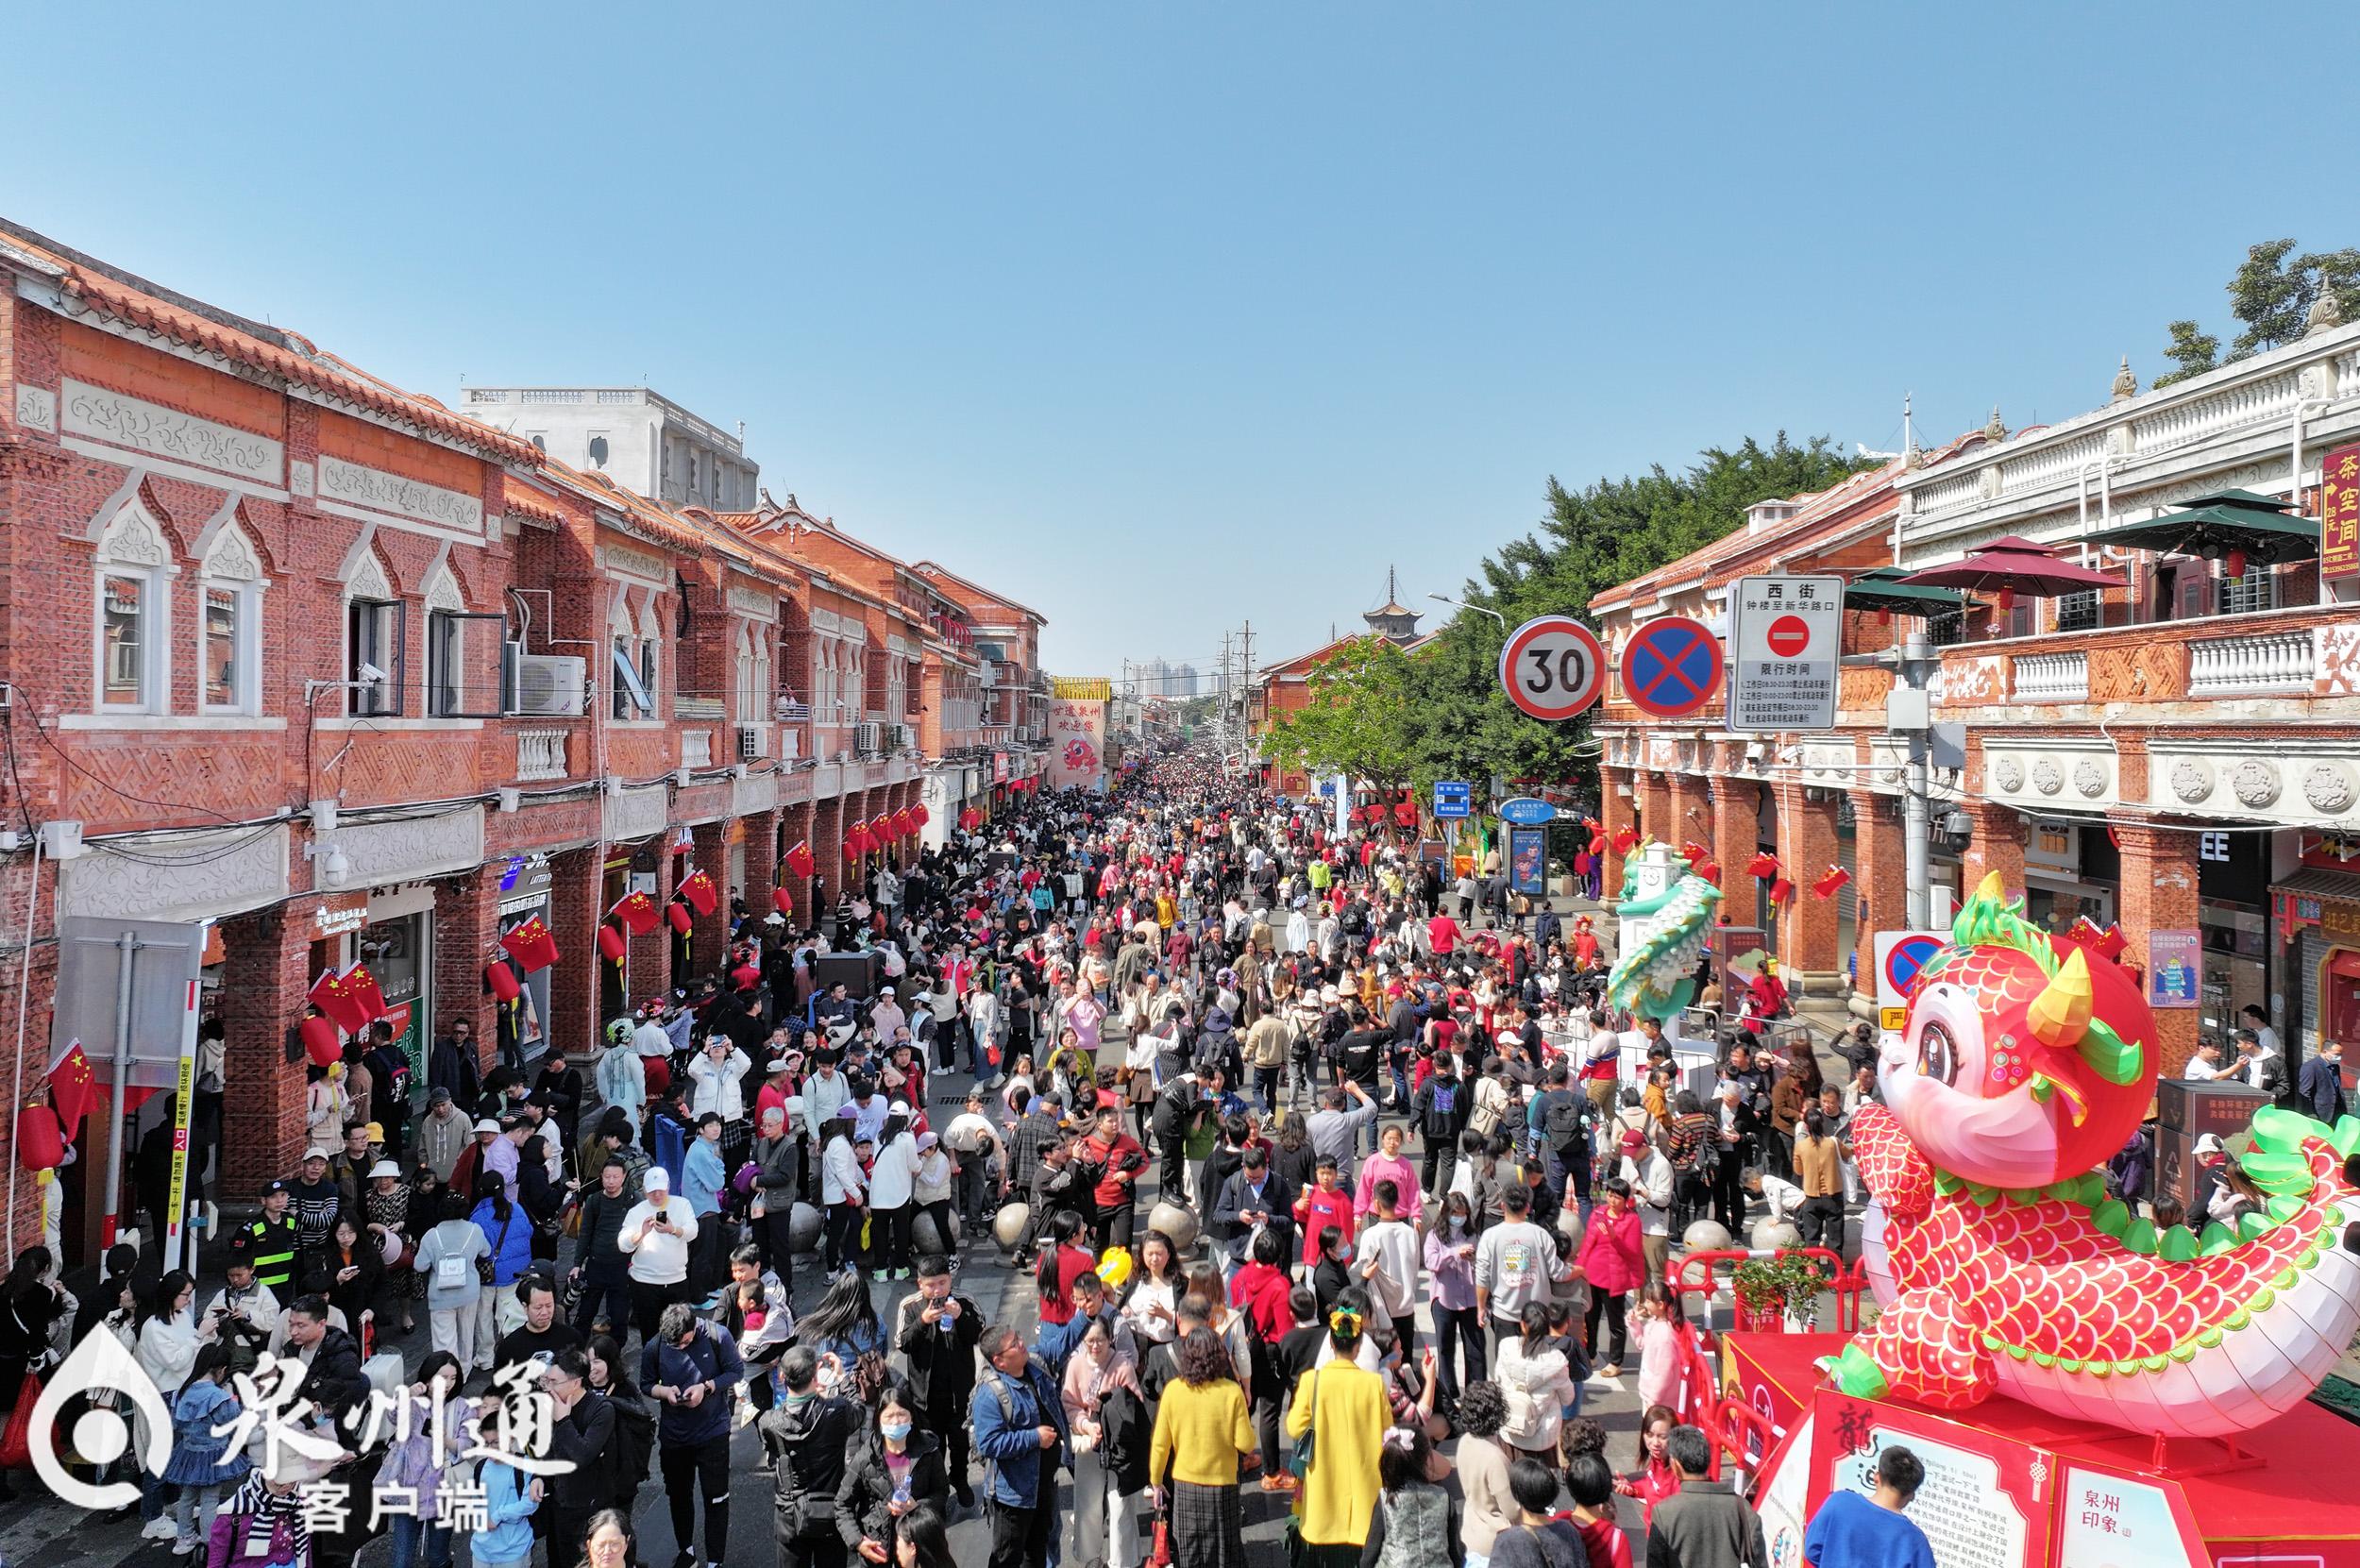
column 1552, row 667
column 1786, row 634
column 1671, row 666
column 1900, row 954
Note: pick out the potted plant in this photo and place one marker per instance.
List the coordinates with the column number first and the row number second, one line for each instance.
column 1773, row 1290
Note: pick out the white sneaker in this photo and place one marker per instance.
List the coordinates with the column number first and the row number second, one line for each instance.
column 186, row 1548
column 161, row 1528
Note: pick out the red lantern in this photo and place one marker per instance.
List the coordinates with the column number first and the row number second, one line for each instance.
column 678, row 914
column 321, row 1041
column 851, row 847
column 697, row 888
column 40, row 1143
column 1884, row 617
column 1781, row 890
column 2233, row 562
column 611, row 941
column 1826, row 887
column 2007, row 599
column 799, row 860
column 501, row 981
column 782, row 900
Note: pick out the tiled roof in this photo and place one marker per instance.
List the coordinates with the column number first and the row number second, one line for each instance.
column 293, row 357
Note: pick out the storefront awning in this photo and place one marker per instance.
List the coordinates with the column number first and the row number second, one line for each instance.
column 2320, row 881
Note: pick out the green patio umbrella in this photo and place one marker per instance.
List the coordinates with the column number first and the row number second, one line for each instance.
column 2236, row 527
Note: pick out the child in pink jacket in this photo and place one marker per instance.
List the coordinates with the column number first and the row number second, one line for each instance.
column 1609, row 1258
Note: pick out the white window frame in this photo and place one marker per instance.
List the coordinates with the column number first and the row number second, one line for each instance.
column 627, row 700
column 232, row 567
column 652, row 653
column 134, row 549
column 367, row 584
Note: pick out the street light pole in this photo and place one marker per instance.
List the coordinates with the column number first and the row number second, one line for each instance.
column 1479, row 608
column 1909, row 716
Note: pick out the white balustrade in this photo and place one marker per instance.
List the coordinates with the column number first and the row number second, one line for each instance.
column 540, row 754
column 2241, row 666
column 696, row 747
column 2252, row 402
column 2051, row 677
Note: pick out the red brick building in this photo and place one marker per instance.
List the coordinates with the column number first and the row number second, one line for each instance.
column 336, row 674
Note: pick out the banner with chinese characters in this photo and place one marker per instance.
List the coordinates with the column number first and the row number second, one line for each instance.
column 2339, row 513
column 1077, row 742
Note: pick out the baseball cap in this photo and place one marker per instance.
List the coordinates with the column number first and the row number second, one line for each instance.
column 898, row 1107
column 271, row 1187
column 314, row 1153
column 485, row 1124
column 656, row 1179
column 777, row 1066
column 2209, row 1144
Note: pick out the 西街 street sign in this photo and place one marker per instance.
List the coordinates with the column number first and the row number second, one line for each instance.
column 1552, row 667
column 1671, row 666
column 1786, row 639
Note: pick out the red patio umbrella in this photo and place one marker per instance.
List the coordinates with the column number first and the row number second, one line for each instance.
column 2011, row 566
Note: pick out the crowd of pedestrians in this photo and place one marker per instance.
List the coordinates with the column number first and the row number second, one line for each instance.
column 1250, row 1100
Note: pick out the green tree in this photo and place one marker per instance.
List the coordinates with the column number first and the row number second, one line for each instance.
column 1362, row 718
column 1587, row 541
column 2193, row 350
column 2270, row 294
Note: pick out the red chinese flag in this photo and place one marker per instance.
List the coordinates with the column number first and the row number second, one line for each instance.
column 335, row 995
column 365, row 986
column 697, row 888
column 678, row 914
column 1826, row 887
column 920, row 815
column 1693, row 852
column 72, row 1089
column 881, row 832
column 501, row 981
column 800, row 859
column 1708, row 869
column 637, row 912
column 40, row 1143
column 611, row 941
column 320, row 1040
column 530, row 944
column 1763, row 865
column 903, row 825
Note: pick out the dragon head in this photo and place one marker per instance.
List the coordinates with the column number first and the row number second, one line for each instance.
column 2027, row 1059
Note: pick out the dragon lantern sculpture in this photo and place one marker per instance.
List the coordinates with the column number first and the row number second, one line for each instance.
column 2000, row 1263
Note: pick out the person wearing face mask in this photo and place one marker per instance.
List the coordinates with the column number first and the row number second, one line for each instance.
column 935, row 1332
column 894, row 1468
column 1450, row 1250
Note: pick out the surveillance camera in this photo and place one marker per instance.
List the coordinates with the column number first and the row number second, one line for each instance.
column 371, row 675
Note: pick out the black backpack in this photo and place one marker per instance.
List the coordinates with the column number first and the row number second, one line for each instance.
column 1565, row 1118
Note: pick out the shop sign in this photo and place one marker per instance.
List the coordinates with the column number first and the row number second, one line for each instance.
column 2053, row 845
column 2174, row 968
column 2339, row 513
column 338, row 915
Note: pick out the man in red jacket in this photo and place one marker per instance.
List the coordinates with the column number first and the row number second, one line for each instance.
column 1118, row 1158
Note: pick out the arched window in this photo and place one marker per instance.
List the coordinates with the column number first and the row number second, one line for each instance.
column 230, row 626
column 134, row 573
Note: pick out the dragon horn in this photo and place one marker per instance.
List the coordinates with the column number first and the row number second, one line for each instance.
column 2061, row 1014
column 1992, row 887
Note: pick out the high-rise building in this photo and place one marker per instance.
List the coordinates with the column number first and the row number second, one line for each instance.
column 642, row 439
column 1155, row 678
column 1183, row 681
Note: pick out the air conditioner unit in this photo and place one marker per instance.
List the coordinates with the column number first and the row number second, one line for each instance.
column 868, row 738
column 546, row 684
column 749, row 742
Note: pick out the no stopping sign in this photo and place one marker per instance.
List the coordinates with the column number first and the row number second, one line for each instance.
column 1552, row 667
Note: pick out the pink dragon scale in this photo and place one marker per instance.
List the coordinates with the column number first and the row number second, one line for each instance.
column 2000, row 1265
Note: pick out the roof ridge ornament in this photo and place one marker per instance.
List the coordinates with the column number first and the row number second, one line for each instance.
column 2126, row 384
column 1993, row 430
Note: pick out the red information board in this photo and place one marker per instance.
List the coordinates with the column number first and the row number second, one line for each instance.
column 2339, row 513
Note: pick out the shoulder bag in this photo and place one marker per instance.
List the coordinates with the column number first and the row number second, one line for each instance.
column 1307, row 1446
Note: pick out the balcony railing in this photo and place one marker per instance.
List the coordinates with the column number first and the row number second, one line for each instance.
column 540, row 756
column 2051, row 677
column 2243, row 666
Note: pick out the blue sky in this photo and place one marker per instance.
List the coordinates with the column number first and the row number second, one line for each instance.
column 1170, row 317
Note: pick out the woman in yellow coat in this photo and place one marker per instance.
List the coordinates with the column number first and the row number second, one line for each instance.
column 1347, row 1410
column 1202, row 1433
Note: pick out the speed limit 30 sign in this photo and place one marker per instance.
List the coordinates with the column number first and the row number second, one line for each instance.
column 1553, row 667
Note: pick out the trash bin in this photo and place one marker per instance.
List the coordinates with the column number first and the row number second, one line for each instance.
column 2185, row 1111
